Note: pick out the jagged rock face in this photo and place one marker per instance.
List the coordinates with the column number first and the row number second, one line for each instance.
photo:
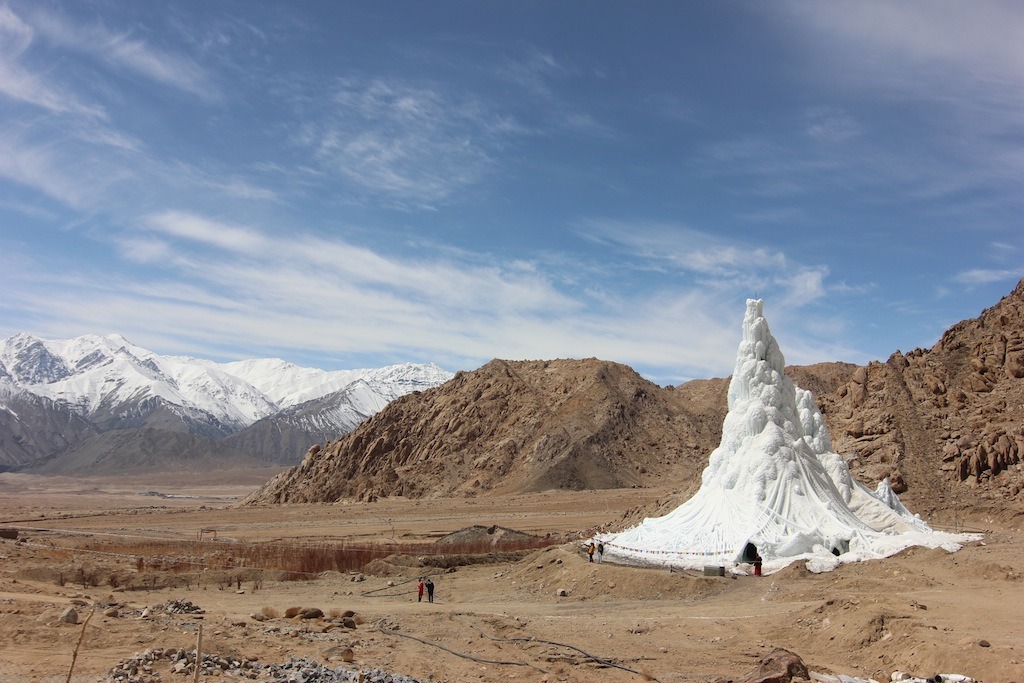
column 936, row 422
column 511, row 426
column 932, row 419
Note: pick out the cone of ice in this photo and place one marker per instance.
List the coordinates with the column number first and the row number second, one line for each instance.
column 773, row 487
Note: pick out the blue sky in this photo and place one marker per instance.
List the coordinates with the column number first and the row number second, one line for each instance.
column 354, row 184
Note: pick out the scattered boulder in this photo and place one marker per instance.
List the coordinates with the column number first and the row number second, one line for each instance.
column 311, row 613
column 69, row 616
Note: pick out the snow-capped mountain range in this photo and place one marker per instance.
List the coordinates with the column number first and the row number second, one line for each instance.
column 102, row 383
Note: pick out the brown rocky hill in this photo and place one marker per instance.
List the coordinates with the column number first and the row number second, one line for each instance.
column 511, row 426
column 945, row 425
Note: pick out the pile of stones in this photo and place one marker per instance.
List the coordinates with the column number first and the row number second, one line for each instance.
column 180, row 606
column 141, row 668
column 311, row 671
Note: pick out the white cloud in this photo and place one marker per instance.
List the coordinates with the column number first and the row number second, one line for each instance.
column 686, row 249
column 982, row 276
column 213, row 233
column 408, row 143
column 328, row 296
column 831, row 125
column 124, row 52
column 964, row 62
column 16, row 34
column 977, row 40
column 47, row 168
column 803, row 286
column 210, row 284
column 243, row 189
column 21, row 84
column 776, row 215
column 533, row 71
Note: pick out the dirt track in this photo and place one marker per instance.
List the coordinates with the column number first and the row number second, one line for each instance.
column 923, row 611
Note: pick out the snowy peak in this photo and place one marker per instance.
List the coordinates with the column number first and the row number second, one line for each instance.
column 116, row 384
column 398, row 380
column 29, row 361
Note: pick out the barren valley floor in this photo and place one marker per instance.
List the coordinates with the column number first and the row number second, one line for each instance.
column 923, row 611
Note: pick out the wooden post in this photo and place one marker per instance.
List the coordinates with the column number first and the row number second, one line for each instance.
column 199, row 654
column 81, row 636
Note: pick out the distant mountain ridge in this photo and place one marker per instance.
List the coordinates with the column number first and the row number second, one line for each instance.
column 58, row 395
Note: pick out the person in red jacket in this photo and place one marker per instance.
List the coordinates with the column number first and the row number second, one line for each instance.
column 419, row 590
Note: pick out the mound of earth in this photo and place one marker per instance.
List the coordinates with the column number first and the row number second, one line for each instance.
column 493, row 535
column 564, row 573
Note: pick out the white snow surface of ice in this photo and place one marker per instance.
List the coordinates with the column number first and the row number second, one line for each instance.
column 775, row 482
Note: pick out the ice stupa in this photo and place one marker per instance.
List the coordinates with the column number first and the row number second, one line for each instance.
column 774, row 486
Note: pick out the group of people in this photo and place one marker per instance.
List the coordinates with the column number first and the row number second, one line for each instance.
column 595, row 549
column 429, row 586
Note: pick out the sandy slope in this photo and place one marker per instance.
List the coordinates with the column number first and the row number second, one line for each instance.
column 922, row 611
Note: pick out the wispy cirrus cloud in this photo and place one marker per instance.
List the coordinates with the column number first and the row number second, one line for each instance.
column 985, row 276
column 19, row 82
column 742, row 267
column 444, row 281
column 210, row 282
column 684, row 248
column 57, row 169
column 198, row 229
column 833, row 125
column 123, row 52
column 532, row 71
column 919, row 45
column 214, row 282
column 957, row 69
column 411, row 143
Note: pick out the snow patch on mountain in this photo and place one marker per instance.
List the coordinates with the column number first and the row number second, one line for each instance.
column 109, row 378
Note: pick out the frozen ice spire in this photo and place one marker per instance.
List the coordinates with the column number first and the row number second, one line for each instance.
column 773, row 484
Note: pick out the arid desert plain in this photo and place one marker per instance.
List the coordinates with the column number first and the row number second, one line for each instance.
column 922, row 611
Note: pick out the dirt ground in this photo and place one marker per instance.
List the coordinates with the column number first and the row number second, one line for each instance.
column 923, row 611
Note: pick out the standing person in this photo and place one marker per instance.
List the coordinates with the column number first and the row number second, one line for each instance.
column 419, row 591
column 757, row 564
column 600, row 552
column 590, row 551
column 430, row 591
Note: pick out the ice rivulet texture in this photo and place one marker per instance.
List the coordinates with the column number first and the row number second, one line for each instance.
column 775, row 483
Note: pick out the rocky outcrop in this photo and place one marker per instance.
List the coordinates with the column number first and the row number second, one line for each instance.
column 933, row 419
